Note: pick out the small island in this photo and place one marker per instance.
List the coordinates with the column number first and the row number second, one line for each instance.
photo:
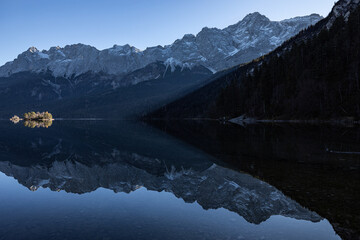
column 34, row 119
column 32, row 116
column 15, row 119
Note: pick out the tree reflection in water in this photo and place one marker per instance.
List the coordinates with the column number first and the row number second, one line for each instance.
column 38, row 124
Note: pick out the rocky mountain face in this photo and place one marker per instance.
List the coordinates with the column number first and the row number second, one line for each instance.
column 342, row 8
column 213, row 48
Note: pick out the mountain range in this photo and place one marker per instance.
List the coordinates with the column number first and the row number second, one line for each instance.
column 124, row 82
column 213, row 48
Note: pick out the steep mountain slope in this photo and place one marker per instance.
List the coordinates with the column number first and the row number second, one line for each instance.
column 313, row 75
column 216, row 49
column 100, row 95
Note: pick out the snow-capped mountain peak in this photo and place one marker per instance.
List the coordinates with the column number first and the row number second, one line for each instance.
column 123, row 50
column 256, row 16
column 33, row 50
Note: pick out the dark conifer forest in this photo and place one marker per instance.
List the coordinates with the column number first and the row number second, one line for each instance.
column 317, row 79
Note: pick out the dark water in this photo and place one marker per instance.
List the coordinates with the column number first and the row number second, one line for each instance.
column 185, row 180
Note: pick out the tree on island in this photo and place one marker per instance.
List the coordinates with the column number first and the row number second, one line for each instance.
column 15, row 119
column 38, row 116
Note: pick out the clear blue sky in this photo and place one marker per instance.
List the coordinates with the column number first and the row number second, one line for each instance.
column 141, row 23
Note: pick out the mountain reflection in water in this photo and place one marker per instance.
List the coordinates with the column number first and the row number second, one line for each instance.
column 70, row 166
column 316, row 165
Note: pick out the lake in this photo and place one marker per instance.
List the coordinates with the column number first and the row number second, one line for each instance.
column 178, row 180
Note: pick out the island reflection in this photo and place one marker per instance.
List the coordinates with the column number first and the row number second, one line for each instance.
column 38, row 124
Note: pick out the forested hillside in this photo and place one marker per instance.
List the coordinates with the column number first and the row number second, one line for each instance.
column 317, row 79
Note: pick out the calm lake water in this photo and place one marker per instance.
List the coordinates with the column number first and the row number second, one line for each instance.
column 178, row 180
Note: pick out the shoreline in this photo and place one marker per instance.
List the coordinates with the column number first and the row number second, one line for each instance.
column 242, row 120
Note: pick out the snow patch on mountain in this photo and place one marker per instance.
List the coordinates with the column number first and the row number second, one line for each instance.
column 173, row 63
column 43, row 55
